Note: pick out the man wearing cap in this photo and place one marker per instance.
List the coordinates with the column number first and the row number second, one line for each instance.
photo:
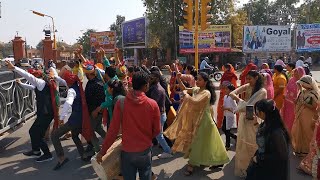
column 94, row 96
column 78, row 121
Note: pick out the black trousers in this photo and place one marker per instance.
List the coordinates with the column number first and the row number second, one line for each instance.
column 228, row 133
column 38, row 131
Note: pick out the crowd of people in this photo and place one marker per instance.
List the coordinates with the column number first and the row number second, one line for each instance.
column 272, row 110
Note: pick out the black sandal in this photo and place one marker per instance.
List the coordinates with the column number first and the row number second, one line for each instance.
column 216, row 167
column 188, row 172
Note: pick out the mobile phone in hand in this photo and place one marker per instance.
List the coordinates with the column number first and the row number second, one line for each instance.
column 249, row 112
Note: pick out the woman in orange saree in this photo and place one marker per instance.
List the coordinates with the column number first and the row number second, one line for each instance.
column 228, row 76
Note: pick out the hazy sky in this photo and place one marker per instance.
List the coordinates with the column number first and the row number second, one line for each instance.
column 71, row 16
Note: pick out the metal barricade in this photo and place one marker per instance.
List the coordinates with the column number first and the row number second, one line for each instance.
column 16, row 103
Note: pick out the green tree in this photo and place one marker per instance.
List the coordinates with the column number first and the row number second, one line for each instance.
column 220, row 10
column 237, row 21
column 40, row 45
column 117, row 27
column 6, row 49
column 314, row 15
column 84, row 40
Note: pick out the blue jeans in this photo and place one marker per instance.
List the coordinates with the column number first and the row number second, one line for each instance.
column 131, row 163
column 160, row 138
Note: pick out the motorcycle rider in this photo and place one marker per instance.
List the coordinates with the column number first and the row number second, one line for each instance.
column 204, row 64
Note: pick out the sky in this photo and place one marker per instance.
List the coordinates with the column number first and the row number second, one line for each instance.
column 70, row 17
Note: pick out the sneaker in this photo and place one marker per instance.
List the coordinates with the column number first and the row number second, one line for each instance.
column 165, row 155
column 32, row 153
column 44, row 158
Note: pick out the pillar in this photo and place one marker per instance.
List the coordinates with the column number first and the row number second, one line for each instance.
column 55, row 55
column 47, row 50
column 18, row 48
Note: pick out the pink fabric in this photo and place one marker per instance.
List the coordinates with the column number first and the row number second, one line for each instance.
column 280, row 62
column 269, row 86
column 291, row 94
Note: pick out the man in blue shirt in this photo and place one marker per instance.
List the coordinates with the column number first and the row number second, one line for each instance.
column 204, row 64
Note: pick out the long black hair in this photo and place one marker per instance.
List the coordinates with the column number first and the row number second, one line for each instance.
column 193, row 71
column 117, row 87
column 259, row 83
column 273, row 118
column 209, row 87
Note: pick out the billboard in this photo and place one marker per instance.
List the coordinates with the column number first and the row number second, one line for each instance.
column 308, row 37
column 217, row 38
column 266, row 39
column 105, row 39
column 134, row 33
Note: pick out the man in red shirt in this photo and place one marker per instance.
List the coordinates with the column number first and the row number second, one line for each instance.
column 140, row 123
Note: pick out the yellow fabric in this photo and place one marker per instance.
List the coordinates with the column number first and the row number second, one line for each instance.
column 247, row 129
column 185, row 126
column 304, row 123
column 279, row 81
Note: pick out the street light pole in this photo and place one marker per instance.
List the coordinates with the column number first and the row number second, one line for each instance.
column 53, row 27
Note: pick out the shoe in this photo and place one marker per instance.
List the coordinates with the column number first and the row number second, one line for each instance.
column 165, row 155
column 86, row 159
column 59, row 165
column 216, row 167
column 32, row 153
column 44, row 158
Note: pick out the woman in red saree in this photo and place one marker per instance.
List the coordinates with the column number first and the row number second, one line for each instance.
column 244, row 74
column 228, row 76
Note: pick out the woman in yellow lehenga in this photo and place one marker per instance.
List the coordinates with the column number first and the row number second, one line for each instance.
column 305, row 115
column 246, row 137
column 194, row 130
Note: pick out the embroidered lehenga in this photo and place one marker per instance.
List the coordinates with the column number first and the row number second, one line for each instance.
column 195, row 132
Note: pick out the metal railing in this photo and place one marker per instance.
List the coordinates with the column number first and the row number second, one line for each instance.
column 16, row 103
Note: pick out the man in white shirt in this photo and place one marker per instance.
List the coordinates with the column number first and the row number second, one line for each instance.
column 45, row 109
column 204, row 64
column 73, row 123
column 300, row 62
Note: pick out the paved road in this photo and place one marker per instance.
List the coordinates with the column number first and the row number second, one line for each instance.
column 13, row 165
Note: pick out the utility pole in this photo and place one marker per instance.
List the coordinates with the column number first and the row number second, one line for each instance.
column 308, row 10
column 0, row 10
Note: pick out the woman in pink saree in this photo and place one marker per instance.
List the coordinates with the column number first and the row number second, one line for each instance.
column 291, row 93
column 268, row 85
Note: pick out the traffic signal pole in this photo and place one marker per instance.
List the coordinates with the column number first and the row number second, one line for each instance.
column 196, row 35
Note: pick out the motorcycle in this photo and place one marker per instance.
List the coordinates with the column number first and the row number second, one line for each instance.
column 213, row 73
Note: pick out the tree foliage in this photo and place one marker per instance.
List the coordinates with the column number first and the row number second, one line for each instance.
column 237, row 21
column 6, row 49
column 84, row 40
column 40, row 45
column 314, row 15
column 117, row 27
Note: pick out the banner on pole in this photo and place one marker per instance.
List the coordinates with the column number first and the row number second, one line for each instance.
column 217, row 38
column 266, row 39
column 134, row 33
column 308, row 37
column 105, row 39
